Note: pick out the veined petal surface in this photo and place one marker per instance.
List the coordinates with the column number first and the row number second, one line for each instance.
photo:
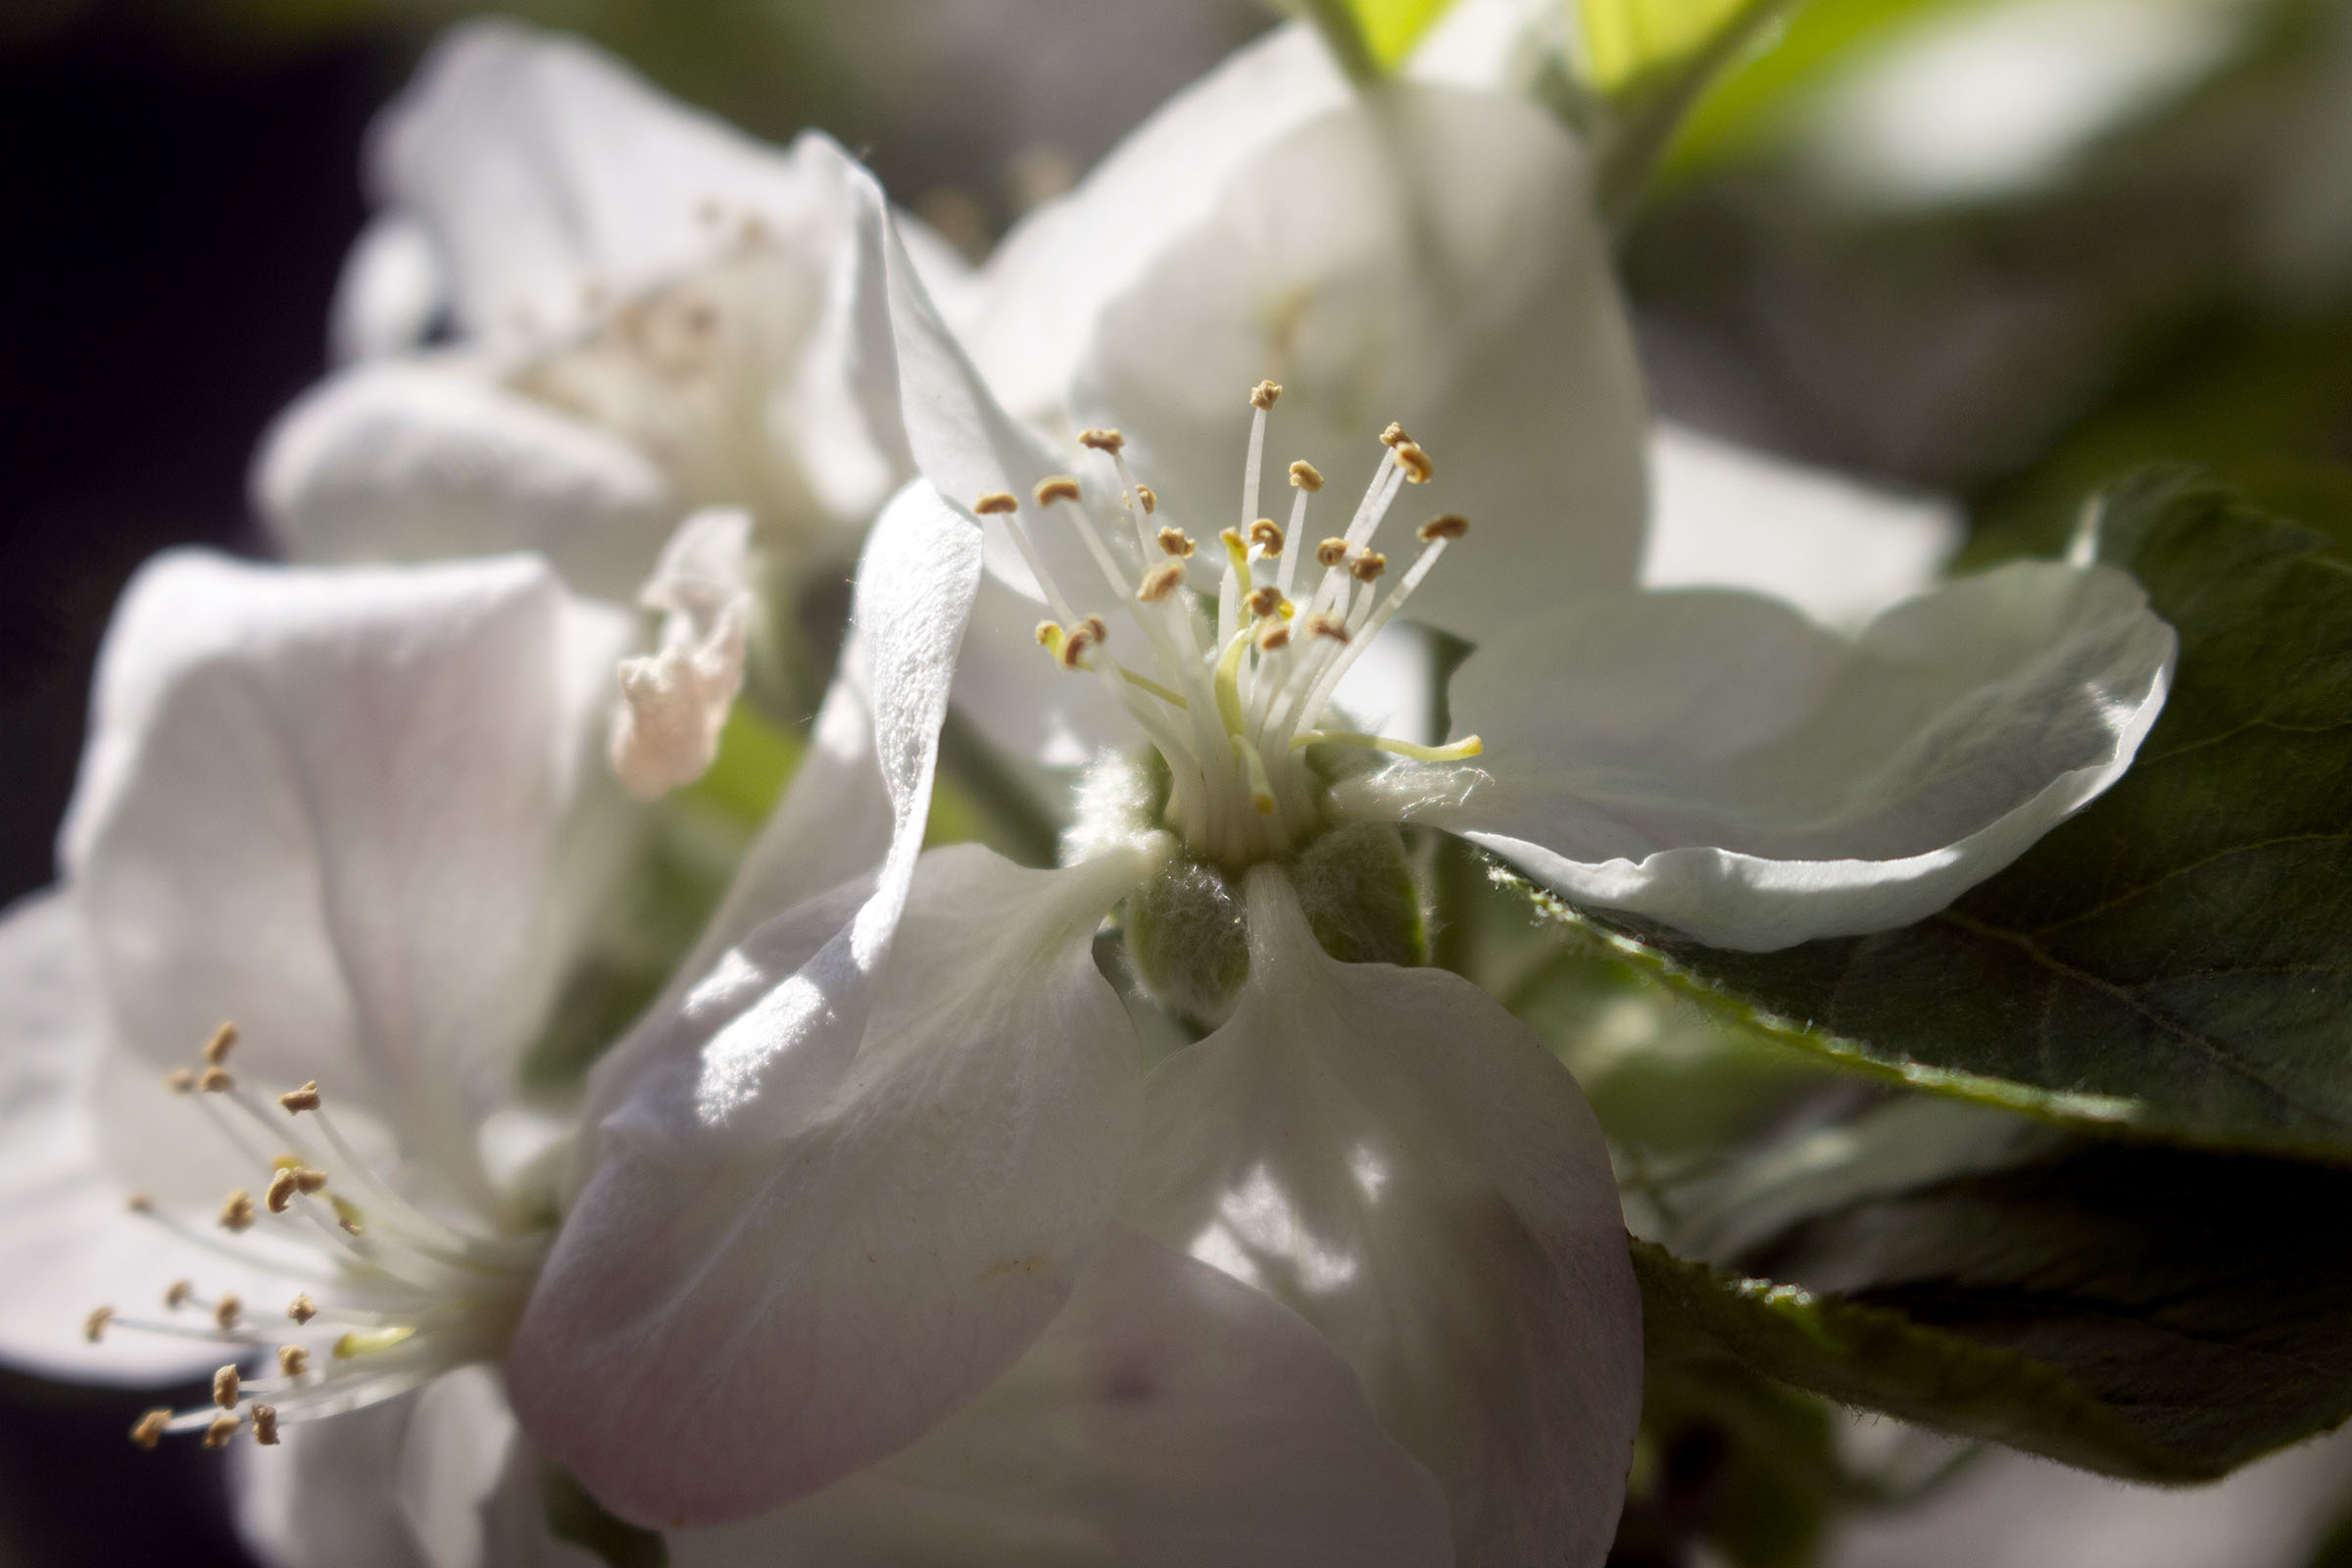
column 1170, row 1417
column 323, row 804
column 1391, row 1155
column 1719, row 762
column 803, row 1245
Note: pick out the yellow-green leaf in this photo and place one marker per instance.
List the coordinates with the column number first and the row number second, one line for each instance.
column 1393, row 26
column 1628, row 40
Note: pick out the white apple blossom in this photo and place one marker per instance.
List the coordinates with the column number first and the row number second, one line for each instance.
column 581, row 312
column 1382, row 1149
column 345, row 809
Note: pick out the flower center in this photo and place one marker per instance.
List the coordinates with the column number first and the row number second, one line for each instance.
column 688, row 372
column 1238, row 673
column 386, row 1297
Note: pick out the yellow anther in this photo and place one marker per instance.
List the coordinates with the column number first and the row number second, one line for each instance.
column 179, row 1080
column 226, row 1312
column 217, row 1048
column 1368, row 566
column 226, row 1386
column 1273, row 633
column 282, row 1190
column 307, row 1180
column 1394, row 435
column 176, row 1296
column 995, row 502
column 1320, row 624
column 1264, row 602
column 293, row 1360
column 1149, row 497
column 347, row 1214
column 215, row 1081
column 1306, row 476
column 265, row 1424
column 1331, row 551
column 1414, row 462
column 236, row 1212
column 1049, row 637
column 1059, row 487
column 367, row 1342
column 302, row 1308
column 1264, row 534
column 1102, row 440
column 298, row 1101
column 1452, row 525
column 93, row 1327
column 1263, row 395
column 1160, row 582
column 224, row 1428
column 1176, row 542
column 148, row 1430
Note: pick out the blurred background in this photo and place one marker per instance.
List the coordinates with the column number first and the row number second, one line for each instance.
column 1995, row 249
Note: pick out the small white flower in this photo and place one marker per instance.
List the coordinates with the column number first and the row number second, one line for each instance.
column 343, row 809
column 640, row 316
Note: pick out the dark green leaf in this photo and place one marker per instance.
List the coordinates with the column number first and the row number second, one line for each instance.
column 2177, row 958
column 2149, row 1312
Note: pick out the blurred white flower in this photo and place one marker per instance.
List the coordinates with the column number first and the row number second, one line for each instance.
column 345, row 809
column 1999, row 100
column 639, row 309
column 2009, row 1510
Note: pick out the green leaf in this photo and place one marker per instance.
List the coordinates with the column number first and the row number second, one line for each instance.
column 1393, row 26
column 1629, row 40
column 2153, row 1313
column 1370, row 37
column 2177, row 958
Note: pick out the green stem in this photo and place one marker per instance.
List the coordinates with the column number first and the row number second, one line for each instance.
column 1344, row 36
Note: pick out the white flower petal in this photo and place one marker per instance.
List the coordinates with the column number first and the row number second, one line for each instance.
column 1724, row 516
column 323, row 804
column 425, row 460
column 68, row 1245
column 1044, row 287
column 551, row 179
column 1716, row 761
column 1328, row 240
column 674, row 702
column 806, row 1241
column 1397, row 1159
column 1169, row 1418
column 324, row 1495
column 471, row 1485
column 391, row 291
column 953, row 430
column 878, row 726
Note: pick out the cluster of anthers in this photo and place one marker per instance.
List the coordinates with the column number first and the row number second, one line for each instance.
column 1243, row 673
column 409, row 1296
